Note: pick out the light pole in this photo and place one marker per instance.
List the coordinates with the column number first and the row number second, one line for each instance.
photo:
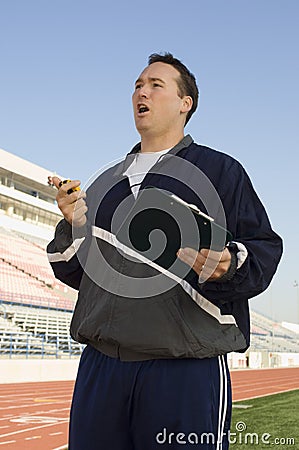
column 296, row 285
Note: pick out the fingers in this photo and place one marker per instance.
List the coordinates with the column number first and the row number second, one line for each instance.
column 79, row 213
column 66, row 187
column 63, row 197
column 50, row 180
column 62, row 184
column 216, row 265
column 208, row 264
column 74, row 212
column 71, row 204
column 197, row 261
column 54, row 181
column 191, row 256
column 213, row 255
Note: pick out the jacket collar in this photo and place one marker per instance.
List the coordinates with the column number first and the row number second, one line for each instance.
column 123, row 166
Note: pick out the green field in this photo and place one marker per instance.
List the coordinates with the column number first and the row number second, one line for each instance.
column 270, row 422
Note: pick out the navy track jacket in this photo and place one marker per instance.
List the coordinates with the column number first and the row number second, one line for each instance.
column 133, row 309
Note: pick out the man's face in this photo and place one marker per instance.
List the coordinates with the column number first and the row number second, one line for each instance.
column 158, row 109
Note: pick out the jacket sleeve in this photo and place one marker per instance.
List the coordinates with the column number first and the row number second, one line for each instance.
column 247, row 218
column 67, row 253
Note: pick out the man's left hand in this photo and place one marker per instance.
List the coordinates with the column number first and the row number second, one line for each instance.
column 208, row 264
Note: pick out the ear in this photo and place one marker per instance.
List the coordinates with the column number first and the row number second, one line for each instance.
column 187, row 103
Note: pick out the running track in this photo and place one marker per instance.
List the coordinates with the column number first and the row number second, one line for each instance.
column 34, row 416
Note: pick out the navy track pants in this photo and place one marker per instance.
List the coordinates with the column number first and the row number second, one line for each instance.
column 150, row 405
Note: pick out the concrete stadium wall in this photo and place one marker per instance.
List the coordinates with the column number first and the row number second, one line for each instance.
column 26, row 370
column 265, row 359
column 262, row 359
column 32, row 370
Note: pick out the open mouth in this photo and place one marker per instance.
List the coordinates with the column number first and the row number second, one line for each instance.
column 142, row 109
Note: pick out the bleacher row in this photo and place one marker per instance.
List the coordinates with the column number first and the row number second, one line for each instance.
column 30, row 331
column 272, row 336
column 26, row 276
column 35, row 308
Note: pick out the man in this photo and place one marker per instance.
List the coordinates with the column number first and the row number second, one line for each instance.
column 154, row 370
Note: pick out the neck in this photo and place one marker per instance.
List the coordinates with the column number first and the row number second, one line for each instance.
column 158, row 143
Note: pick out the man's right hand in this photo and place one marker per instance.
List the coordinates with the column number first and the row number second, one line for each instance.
column 72, row 206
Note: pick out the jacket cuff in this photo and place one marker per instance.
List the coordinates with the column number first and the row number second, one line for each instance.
column 229, row 274
column 65, row 234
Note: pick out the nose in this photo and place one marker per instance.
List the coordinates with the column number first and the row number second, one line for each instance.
column 143, row 92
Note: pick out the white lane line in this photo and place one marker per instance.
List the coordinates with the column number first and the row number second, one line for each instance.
column 32, row 437
column 6, row 389
column 44, row 411
column 33, row 414
column 57, row 410
column 29, row 419
column 63, row 447
column 34, row 394
column 29, row 392
column 14, row 399
column 273, row 382
column 55, row 434
column 264, row 395
column 7, row 442
column 33, row 405
column 34, row 428
column 280, row 387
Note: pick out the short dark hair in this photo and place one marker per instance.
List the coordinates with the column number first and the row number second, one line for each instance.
column 186, row 82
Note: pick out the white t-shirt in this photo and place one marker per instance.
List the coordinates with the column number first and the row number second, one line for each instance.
column 141, row 164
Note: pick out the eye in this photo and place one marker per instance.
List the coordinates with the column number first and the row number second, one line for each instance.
column 157, row 85
column 137, row 86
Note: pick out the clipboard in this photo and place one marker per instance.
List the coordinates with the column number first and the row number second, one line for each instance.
column 159, row 223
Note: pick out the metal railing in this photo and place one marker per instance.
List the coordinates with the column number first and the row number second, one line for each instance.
column 24, row 345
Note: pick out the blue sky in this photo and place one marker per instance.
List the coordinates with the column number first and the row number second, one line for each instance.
column 67, row 70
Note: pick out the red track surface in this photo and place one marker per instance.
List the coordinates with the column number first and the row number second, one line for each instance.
column 258, row 383
column 34, row 416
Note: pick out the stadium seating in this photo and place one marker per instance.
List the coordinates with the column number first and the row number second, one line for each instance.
column 35, row 308
column 26, row 276
column 30, row 331
column 269, row 336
